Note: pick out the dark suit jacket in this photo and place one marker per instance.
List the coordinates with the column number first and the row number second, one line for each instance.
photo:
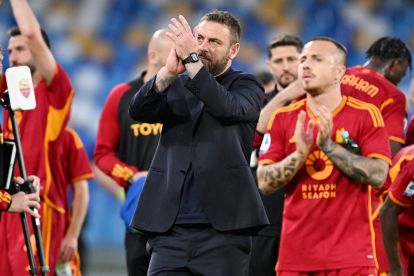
column 211, row 124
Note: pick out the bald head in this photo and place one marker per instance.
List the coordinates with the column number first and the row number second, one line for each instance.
column 158, row 50
column 158, row 40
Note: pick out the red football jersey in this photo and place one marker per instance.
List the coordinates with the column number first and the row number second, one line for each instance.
column 37, row 128
column 326, row 220
column 69, row 164
column 370, row 86
column 401, row 191
column 401, row 157
column 42, row 125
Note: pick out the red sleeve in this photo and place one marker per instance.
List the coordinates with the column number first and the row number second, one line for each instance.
column 107, row 140
column 394, row 112
column 402, row 189
column 79, row 166
column 410, row 132
column 258, row 138
column 273, row 146
column 5, row 200
column 374, row 141
column 3, row 84
column 61, row 85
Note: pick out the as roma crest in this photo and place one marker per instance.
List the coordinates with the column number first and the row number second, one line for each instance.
column 24, row 87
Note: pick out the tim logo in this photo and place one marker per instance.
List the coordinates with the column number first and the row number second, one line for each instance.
column 318, row 165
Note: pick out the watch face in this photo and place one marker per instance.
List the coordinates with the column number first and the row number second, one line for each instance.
column 194, row 56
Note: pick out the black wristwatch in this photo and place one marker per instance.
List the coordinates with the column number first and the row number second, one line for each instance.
column 193, row 57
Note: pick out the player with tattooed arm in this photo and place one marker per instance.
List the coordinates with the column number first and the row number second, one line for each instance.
column 328, row 151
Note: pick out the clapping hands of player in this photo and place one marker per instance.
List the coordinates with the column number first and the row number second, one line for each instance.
column 324, row 125
column 304, row 137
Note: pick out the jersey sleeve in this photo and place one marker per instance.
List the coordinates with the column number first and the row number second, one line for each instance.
column 107, row 140
column 3, row 84
column 5, row 200
column 79, row 166
column 60, row 90
column 258, row 138
column 394, row 112
column 374, row 141
column 402, row 188
column 410, row 132
column 273, row 144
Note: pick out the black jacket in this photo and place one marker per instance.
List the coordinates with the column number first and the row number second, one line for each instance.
column 209, row 122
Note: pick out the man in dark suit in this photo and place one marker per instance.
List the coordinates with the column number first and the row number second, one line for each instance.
column 200, row 203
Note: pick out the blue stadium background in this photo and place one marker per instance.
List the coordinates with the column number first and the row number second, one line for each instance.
column 103, row 42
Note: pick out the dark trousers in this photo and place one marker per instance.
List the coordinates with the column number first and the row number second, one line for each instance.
column 137, row 257
column 263, row 256
column 199, row 250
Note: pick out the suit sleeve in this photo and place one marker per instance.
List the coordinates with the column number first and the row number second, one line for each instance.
column 107, row 140
column 148, row 105
column 242, row 103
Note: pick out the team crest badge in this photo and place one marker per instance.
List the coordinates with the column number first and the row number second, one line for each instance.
column 409, row 191
column 24, row 87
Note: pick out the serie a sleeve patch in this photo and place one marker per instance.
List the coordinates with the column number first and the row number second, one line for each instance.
column 409, row 191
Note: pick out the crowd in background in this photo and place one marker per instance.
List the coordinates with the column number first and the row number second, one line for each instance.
column 102, row 42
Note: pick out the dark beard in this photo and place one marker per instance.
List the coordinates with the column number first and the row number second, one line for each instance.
column 215, row 68
column 31, row 67
column 218, row 67
column 284, row 85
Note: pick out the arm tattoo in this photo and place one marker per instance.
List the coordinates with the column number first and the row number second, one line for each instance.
column 359, row 168
column 162, row 83
column 275, row 176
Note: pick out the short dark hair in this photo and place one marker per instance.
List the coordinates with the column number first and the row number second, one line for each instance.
column 338, row 45
column 227, row 19
column 284, row 40
column 387, row 47
column 15, row 31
